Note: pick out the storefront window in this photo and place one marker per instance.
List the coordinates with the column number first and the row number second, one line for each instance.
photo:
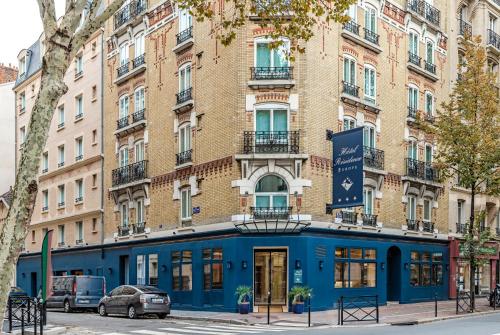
column 426, row 270
column 182, row 270
column 153, row 269
column 357, row 270
column 212, row 269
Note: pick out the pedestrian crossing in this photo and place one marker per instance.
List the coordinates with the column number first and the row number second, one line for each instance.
column 212, row 329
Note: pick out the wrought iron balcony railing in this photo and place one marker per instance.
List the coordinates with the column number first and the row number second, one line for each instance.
column 79, row 116
column 271, row 142
column 414, row 58
column 429, row 117
column 138, row 61
column 45, row 170
column 78, row 158
column 464, row 28
column 271, row 73
column 373, row 158
column 412, row 112
column 129, row 12
column 371, row 36
column 123, row 230
column 421, row 170
column 79, row 199
column 349, row 217
column 184, row 157
column 61, row 204
column 139, row 228
column 122, row 69
column 45, row 208
column 60, row 164
column 462, row 228
column 271, row 213
column 352, row 26
column 412, row 225
column 350, row 89
column 369, row 220
column 425, row 10
column 493, row 39
column 130, row 173
column 430, row 67
column 184, row 35
column 138, row 116
column 78, row 74
column 61, row 244
column 79, row 241
column 122, row 122
column 427, row 226
column 60, row 125
column 184, row 96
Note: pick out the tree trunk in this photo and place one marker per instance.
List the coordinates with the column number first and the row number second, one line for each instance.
column 472, row 256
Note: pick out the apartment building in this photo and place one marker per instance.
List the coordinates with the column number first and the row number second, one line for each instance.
column 70, row 191
column 476, row 18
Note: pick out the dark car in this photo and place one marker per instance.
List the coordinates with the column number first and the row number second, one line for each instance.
column 135, row 300
column 76, row 292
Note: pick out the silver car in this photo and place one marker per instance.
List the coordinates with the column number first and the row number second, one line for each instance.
column 135, row 300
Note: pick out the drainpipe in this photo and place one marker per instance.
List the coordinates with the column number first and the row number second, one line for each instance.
column 102, row 137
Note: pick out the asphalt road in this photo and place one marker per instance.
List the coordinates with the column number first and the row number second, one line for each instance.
column 88, row 323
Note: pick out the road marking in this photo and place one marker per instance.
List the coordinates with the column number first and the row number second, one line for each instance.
column 114, row 334
column 291, row 324
column 151, row 332
column 274, row 329
column 194, row 331
column 242, row 329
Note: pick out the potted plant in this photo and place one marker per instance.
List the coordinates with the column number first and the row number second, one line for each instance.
column 298, row 294
column 244, row 293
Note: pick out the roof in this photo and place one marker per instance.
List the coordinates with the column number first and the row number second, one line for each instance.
column 7, row 197
column 33, row 62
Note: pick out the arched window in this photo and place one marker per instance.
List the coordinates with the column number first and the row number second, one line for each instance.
column 369, row 193
column 139, row 104
column 123, row 156
column 370, row 83
column 429, row 52
column 349, row 70
column 371, row 19
column 412, row 101
column 124, row 103
column 139, row 151
column 185, row 77
column 429, row 104
column 271, row 192
column 369, row 135
column 413, row 46
column 139, row 49
column 412, row 149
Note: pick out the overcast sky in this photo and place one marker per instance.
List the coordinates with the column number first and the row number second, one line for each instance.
column 20, row 26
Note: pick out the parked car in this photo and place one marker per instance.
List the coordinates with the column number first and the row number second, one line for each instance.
column 76, row 292
column 17, row 292
column 135, row 300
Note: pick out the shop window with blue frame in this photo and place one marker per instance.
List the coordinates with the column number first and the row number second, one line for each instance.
column 182, row 270
column 426, row 269
column 153, row 270
column 212, row 269
column 355, row 267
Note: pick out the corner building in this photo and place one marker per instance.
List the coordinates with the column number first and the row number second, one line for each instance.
column 217, row 168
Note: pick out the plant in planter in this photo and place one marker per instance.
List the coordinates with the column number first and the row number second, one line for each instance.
column 299, row 294
column 244, row 293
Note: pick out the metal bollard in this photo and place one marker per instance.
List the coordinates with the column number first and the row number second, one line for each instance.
column 22, row 320
column 10, row 315
column 457, row 299
column 268, row 307
column 495, row 299
column 35, row 319
column 338, row 312
column 376, row 302
column 309, row 312
column 435, row 305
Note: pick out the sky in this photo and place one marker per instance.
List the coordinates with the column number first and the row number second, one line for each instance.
column 20, row 26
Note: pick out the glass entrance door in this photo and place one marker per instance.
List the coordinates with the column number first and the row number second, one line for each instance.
column 270, row 275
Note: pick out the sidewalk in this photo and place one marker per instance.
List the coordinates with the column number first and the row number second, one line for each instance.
column 392, row 313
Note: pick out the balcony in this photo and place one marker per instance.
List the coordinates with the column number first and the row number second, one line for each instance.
column 462, row 228
column 271, row 213
column 60, row 244
column 45, row 170
column 352, row 27
column 78, row 116
column 78, row 74
column 412, row 113
column 493, row 42
column 464, row 28
column 350, row 94
column 78, row 199
column 371, row 36
column 373, row 158
column 123, row 230
column 129, row 13
column 427, row 226
column 421, row 170
column 139, row 228
column 414, row 59
column 184, row 40
column 184, row 100
column 79, row 241
column 122, row 122
column 184, row 157
column 350, row 89
column 350, row 31
column 415, row 64
column 412, row 225
column 425, row 11
column 61, row 204
column 271, row 142
column 138, row 61
column 124, row 127
column 60, row 125
column 122, row 70
column 271, row 77
column 349, row 217
column 429, row 117
column 60, row 164
column 430, row 67
column 369, row 220
column 78, row 158
column 132, row 173
column 45, row 208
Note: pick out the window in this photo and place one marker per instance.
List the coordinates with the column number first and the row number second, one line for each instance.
column 428, row 153
column 429, row 52
column 492, row 23
column 62, row 196
column 22, row 66
column 94, row 93
column 460, row 211
column 411, row 208
column 413, row 43
column 60, row 151
column 139, row 104
column 60, row 230
column 78, row 107
column 79, row 231
column 94, row 225
column 78, row 65
column 349, row 123
column 349, row 70
column 271, row 192
column 212, row 269
column 368, row 199
column 426, row 269
column 123, row 106
column 429, row 104
column 22, row 102
column 182, row 270
column 79, row 149
column 266, row 57
column 141, row 270
column 123, row 54
column 79, row 190
column 355, row 267
column 184, row 138
column 185, row 77
column 123, row 156
column 94, row 180
column 33, row 236
column 412, row 100
column 139, row 45
column 369, row 136
column 186, row 203
column 370, row 83
column 139, row 210
column 60, row 114
column 351, row 12
column 124, row 214
column 22, row 135
column 94, row 136
column 185, row 19
column 371, row 19
column 139, row 151
column 45, row 200
column 45, row 162
column 412, row 149
column 270, row 121
column 153, row 270
column 427, row 210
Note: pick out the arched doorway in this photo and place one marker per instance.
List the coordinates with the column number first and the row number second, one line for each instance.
column 393, row 274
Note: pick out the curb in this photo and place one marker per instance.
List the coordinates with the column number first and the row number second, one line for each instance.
column 208, row 319
column 442, row 318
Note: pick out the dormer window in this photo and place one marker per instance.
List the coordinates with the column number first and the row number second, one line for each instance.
column 22, row 66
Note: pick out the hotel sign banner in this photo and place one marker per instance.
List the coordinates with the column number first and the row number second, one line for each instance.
column 347, row 168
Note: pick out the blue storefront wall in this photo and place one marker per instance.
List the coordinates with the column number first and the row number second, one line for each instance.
column 312, row 251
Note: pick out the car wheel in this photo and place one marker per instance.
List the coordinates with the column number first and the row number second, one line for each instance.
column 102, row 310
column 162, row 316
column 132, row 314
column 67, row 307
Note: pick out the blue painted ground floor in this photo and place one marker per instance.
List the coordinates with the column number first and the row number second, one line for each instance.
column 202, row 271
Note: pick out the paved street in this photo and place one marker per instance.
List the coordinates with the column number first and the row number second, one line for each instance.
column 87, row 323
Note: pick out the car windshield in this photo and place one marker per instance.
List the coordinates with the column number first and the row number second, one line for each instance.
column 150, row 289
column 89, row 286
